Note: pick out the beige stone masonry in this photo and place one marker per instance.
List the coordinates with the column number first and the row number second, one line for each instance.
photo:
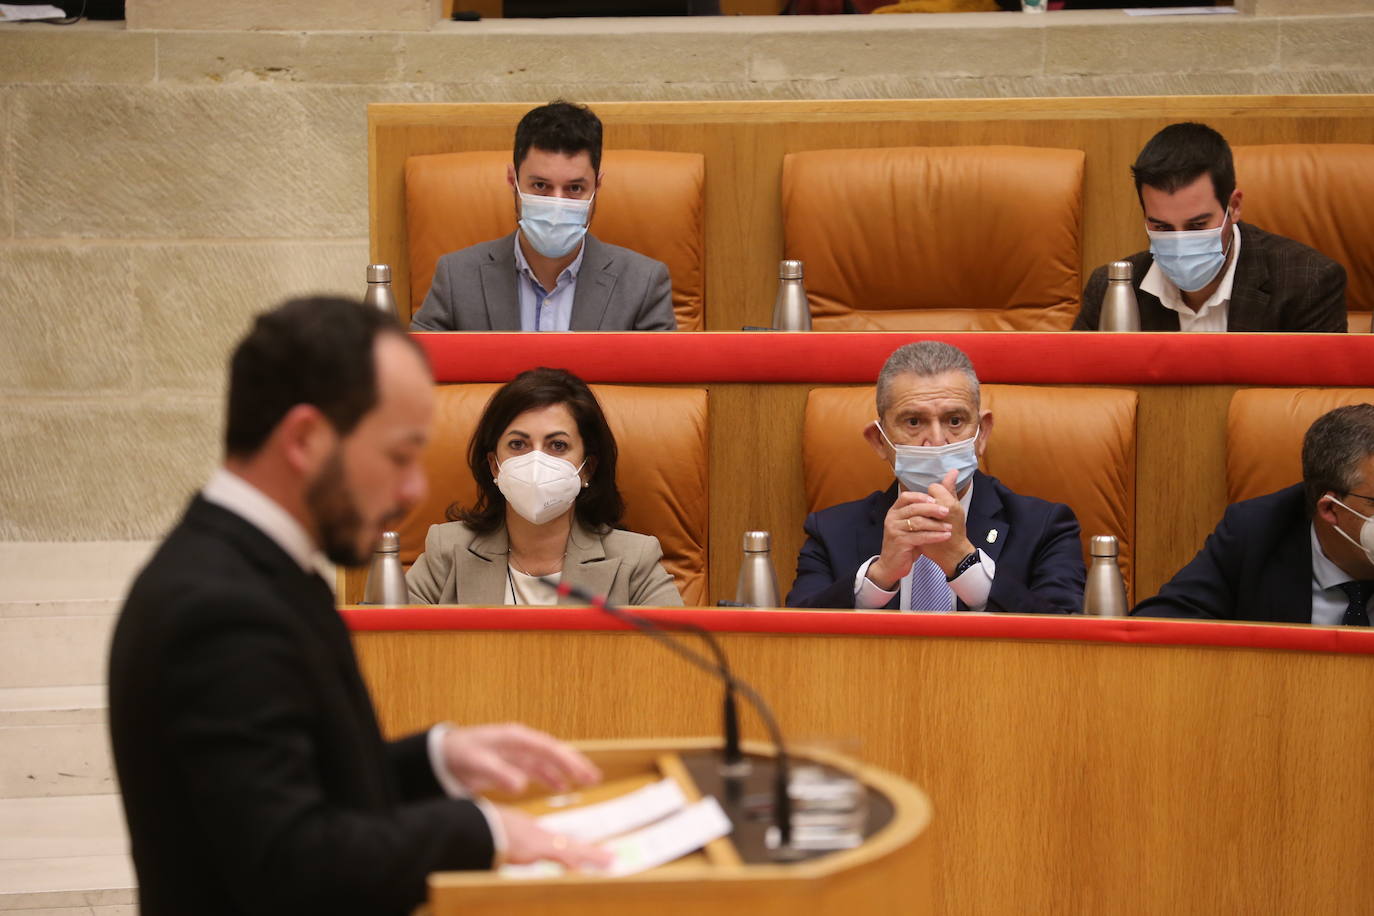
column 1327, row 44
column 257, row 15
column 98, row 52
column 247, row 58
column 1195, row 45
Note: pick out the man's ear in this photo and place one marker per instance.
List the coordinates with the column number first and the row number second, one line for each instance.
column 874, row 437
column 510, row 174
column 1236, row 196
column 306, row 439
column 984, row 432
column 1326, row 511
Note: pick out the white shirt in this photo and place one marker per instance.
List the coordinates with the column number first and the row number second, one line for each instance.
column 541, row 309
column 1212, row 315
column 971, row 587
column 1329, row 601
column 230, row 491
column 530, row 590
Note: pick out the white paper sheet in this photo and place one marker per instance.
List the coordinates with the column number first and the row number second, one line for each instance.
column 1181, row 11
column 594, row 823
column 10, row 12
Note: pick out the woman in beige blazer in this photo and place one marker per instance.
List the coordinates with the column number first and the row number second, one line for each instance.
column 544, row 460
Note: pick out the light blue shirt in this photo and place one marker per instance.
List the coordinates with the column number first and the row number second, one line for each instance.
column 541, row 309
column 1329, row 601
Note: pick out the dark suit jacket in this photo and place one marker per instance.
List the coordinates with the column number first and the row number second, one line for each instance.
column 617, row 290
column 1280, row 285
column 254, row 776
column 1257, row 565
column 1036, row 548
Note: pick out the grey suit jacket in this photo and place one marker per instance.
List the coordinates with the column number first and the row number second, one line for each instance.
column 617, row 290
column 1280, row 285
column 460, row 567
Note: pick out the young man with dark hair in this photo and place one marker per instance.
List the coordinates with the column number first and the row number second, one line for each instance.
column 254, row 775
column 1302, row 555
column 551, row 274
column 1205, row 270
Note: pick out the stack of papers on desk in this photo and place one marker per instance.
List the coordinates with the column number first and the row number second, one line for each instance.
column 10, row 12
column 643, row 830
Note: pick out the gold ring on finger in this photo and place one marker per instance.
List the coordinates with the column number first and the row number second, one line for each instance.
column 909, row 528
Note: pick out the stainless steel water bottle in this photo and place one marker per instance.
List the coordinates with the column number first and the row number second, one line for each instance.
column 386, row 580
column 758, row 584
column 1105, row 595
column 790, row 310
column 379, row 294
column 1120, row 312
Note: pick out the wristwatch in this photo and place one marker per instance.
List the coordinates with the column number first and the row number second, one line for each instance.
column 964, row 566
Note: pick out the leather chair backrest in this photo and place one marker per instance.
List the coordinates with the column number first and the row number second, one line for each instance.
column 651, row 202
column 1264, row 432
column 661, row 434
column 1068, row 445
column 1320, row 194
column 985, row 238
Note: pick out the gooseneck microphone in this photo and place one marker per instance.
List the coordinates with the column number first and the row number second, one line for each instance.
column 782, row 801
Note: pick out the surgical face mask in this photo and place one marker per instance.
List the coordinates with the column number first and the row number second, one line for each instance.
column 1366, row 541
column 553, row 225
column 1190, row 259
column 919, row 466
column 539, row 487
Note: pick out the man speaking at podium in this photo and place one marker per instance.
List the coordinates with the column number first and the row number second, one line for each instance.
column 254, row 775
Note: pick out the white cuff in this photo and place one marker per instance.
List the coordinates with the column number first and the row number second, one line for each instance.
column 867, row 596
column 975, row 583
column 454, row 788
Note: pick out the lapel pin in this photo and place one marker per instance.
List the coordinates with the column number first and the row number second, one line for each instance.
column 992, row 536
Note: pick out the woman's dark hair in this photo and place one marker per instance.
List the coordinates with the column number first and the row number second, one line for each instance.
column 599, row 506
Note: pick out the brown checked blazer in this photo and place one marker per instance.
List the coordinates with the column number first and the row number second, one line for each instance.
column 1280, row 285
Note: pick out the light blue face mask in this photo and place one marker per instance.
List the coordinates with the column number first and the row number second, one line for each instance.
column 1190, row 259
column 919, row 466
column 553, row 225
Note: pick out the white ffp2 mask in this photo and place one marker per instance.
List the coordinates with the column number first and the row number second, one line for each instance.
column 539, row 487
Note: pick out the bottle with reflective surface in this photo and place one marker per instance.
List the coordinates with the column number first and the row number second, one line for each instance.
column 1105, row 595
column 790, row 310
column 386, row 580
column 758, row 584
column 1119, row 309
column 379, row 294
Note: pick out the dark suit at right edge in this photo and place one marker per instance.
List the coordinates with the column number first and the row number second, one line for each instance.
column 1280, row 285
column 1257, row 565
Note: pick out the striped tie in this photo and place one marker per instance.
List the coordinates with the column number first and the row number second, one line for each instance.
column 929, row 590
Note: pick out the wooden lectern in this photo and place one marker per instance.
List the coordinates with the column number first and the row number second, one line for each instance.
column 889, row 873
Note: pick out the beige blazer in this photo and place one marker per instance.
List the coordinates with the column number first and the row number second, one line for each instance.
column 459, row 567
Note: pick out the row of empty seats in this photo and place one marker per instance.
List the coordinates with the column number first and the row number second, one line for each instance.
column 903, row 238
column 1071, row 445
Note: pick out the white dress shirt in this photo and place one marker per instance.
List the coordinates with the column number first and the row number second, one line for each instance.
column 230, row 491
column 541, row 309
column 971, row 587
column 1212, row 315
column 1329, row 601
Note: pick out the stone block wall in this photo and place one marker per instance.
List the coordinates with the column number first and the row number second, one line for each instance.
column 159, row 186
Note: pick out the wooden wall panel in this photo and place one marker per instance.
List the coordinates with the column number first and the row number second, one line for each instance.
column 1066, row 777
column 744, row 143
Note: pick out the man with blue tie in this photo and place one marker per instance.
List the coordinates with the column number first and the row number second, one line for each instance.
column 944, row 536
column 1304, row 554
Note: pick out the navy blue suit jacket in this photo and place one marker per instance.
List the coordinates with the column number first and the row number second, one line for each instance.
column 1257, row 565
column 1036, row 547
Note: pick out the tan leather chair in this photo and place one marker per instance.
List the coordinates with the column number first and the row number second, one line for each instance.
column 1068, row 445
column 1320, row 194
column 651, row 202
column 977, row 238
column 661, row 434
column 1264, row 433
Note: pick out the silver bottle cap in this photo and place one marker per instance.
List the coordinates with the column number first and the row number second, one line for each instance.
column 1119, row 270
column 790, row 270
column 390, row 542
column 757, row 541
column 1104, row 545
column 379, row 273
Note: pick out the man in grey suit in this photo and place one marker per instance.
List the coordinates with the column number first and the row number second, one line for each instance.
column 550, row 274
column 1205, row 270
